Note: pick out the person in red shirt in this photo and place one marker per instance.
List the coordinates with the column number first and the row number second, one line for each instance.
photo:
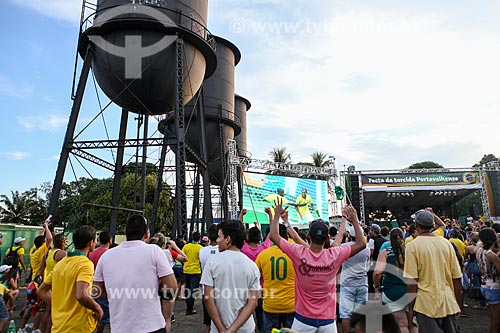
column 105, row 242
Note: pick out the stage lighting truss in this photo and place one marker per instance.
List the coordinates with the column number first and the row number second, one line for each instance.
column 401, row 194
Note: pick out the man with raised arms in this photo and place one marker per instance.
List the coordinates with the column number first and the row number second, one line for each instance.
column 315, row 271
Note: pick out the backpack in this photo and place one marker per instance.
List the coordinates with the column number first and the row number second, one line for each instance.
column 12, row 259
column 31, row 294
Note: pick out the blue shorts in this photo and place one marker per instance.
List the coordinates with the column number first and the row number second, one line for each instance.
column 103, row 302
column 491, row 295
column 350, row 298
column 178, row 272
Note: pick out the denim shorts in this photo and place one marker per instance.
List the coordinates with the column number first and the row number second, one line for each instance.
column 276, row 320
column 350, row 298
column 491, row 295
column 103, row 302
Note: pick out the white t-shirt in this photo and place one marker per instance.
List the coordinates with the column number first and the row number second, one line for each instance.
column 206, row 252
column 130, row 273
column 232, row 274
column 170, row 259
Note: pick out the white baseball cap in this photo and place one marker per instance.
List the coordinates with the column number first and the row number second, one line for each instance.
column 19, row 240
column 3, row 268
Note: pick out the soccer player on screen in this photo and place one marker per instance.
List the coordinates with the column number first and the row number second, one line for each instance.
column 302, row 206
column 279, row 196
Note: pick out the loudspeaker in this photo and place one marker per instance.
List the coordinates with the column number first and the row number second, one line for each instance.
column 353, row 187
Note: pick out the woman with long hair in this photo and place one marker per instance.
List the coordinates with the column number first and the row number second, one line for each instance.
column 489, row 263
column 390, row 264
column 472, row 270
column 9, row 280
column 50, row 259
column 172, row 253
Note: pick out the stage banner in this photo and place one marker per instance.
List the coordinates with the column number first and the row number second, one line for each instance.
column 420, row 179
column 492, row 179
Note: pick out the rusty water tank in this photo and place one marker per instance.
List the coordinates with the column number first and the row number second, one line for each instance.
column 241, row 107
column 218, row 106
column 135, row 58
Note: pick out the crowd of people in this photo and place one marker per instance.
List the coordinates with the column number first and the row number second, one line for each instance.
column 405, row 279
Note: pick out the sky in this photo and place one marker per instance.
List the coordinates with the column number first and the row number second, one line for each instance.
column 379, row 84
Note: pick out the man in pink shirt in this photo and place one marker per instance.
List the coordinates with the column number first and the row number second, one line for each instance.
column 252, row 248
column 132, row 275
column 315, row 271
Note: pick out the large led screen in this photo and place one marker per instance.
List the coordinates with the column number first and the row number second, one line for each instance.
column 306, row 199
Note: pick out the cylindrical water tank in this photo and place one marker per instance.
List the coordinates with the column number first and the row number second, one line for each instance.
column 241, row 106
column 218, row 107
column 135, row 58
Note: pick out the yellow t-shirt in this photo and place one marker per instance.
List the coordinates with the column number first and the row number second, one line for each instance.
column 460, row 245
column 439, row 232
column 279, row 280
column 50, row 262
column 272, row 200
column 433, row 262
column 303, row 210
column 19, row 252
column 3, row 290
column 68, row 315
column 36, row 258
column 192, row 251
column 408, row 239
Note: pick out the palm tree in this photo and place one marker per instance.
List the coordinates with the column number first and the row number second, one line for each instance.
column 17, row 210
column 320, row 160
column 280, row 155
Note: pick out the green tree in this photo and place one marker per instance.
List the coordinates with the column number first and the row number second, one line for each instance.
column 320, row 160
column 464, row 204
column 79, row 200
column 280, row 155
column 131, row 168
column 487, row 159
column 23, row 208
column 38, row 207
column 426, row 165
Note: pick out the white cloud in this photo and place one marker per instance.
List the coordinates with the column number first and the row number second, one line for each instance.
column 370, row 82
column 49, row 123
column 15, row 156
column 11, row 89
column 68, row 10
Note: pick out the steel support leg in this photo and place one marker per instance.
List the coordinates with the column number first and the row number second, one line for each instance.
column 70, row 131
column 180, row 160
column 118, row 173
column 207, row 195
column 144, row 163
